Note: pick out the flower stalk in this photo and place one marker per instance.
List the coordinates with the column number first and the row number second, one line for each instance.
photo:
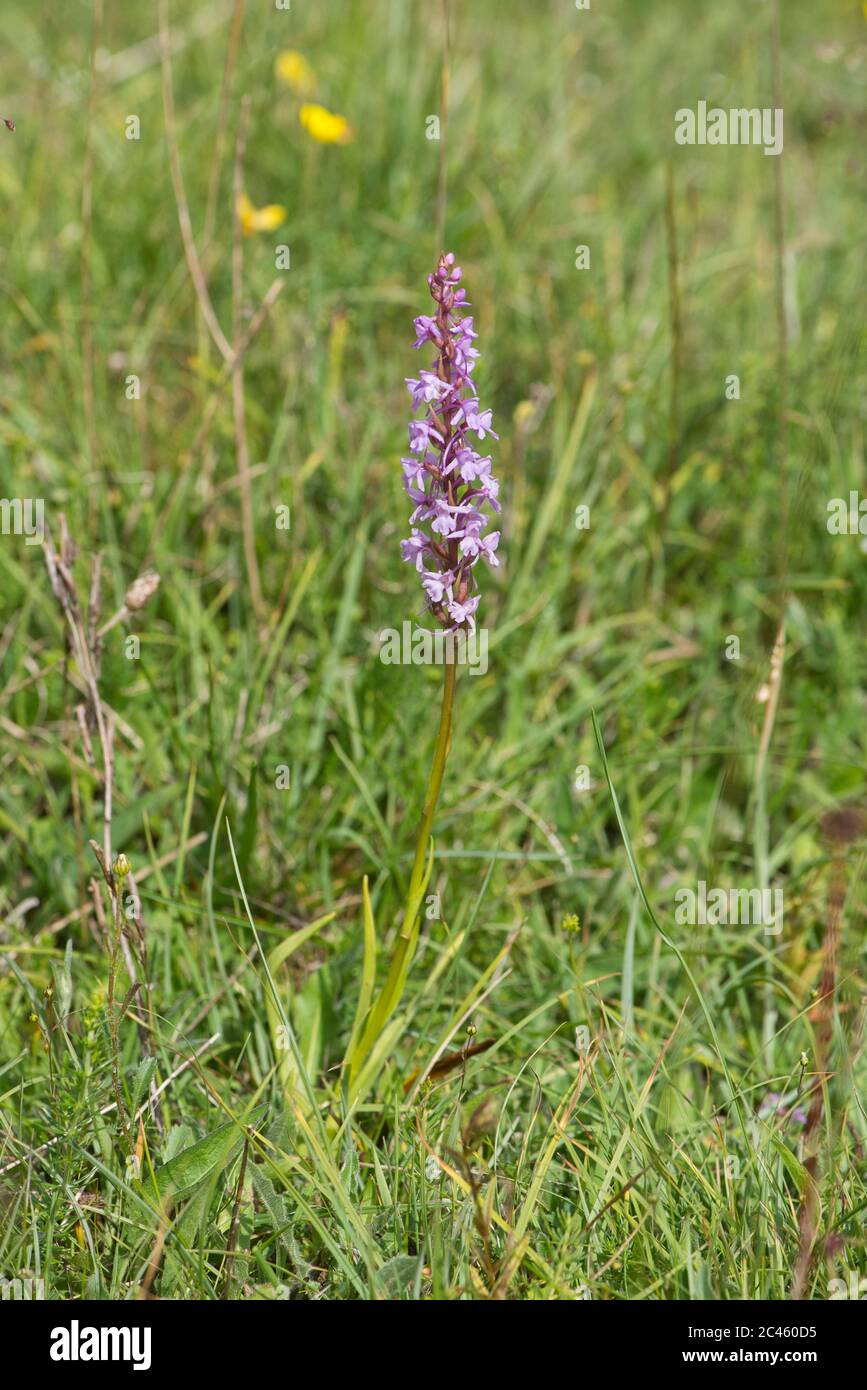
column 449, row 483
column 392, row 990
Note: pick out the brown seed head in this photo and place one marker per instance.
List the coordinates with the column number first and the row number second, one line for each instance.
column 142, row 590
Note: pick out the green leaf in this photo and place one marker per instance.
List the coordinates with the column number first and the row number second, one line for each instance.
column 191, row 1167
column 368, row 972
column 62, row 973
column 278, row 1017
column 179, row 1137
column 795, row 1169
column 392, row 991
column 399, row 1275
column 142, row 1079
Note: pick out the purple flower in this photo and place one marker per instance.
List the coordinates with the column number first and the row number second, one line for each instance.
column 426, row 328
column 488, row 490
column 775, row 1104
column 421, row 433
column 471, row 464
column 427, row 388
column 415, row 547
column 477, row 420
column 417, row 495
column 446, row 478
column 445, row 518
column 465, row 355
column 475, row 545
column 414, row 472
column 462, row 613
column 436, row 585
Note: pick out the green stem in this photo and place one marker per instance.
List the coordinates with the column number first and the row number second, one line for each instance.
column 390, row 994
column 441, row 752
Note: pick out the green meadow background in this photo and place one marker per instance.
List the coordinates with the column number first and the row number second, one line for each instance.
column 638, row 1162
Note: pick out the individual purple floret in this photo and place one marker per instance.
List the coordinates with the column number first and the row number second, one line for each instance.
column 444, row 476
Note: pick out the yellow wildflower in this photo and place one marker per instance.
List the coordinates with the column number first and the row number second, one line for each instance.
column 325, row 126
column 293, row 69
column 258, row 219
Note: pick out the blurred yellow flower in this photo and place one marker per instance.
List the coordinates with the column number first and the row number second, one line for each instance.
column 258, row 219
column 324, row 126
column 293, row 69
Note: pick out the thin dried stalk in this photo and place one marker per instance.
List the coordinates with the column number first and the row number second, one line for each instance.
column 222, row 120
column 84, row 256
column 84, row 642
column 194, row 265
column 114, row 936
column 238, row 405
